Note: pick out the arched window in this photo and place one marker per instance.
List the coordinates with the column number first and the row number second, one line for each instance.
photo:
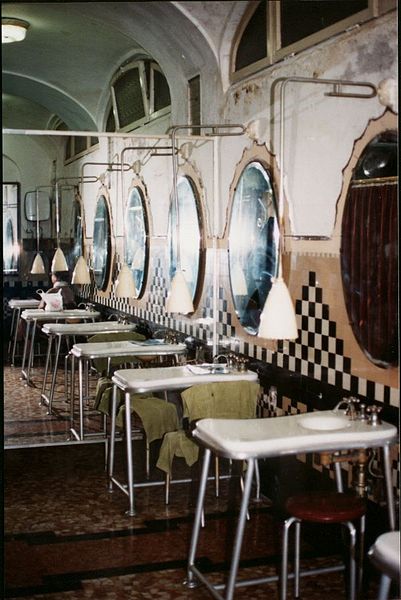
column 136, row 238
column 272, row 30
column 139, row 93
column 369, row 258
column 187, row 232
column 251, row 243
column 102, row 244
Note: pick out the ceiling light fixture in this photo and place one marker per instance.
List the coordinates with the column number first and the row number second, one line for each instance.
column 13, row 30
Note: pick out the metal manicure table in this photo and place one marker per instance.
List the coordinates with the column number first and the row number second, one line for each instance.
column 119, row 349
column 17, row 306
column 66, row 330
column 254, row 439
column 32, row 317
column 132, row 381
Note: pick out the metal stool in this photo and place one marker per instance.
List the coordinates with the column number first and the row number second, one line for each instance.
column 324, row 508
column 385, row 556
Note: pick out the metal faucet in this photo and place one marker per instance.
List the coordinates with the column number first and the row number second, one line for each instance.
column 217, row 357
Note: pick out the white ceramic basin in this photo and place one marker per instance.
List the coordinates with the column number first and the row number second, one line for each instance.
column 325, row 422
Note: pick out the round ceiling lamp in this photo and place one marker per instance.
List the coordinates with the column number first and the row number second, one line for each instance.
column 13, row 30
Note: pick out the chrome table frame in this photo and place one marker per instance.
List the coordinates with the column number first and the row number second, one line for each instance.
column 254, row 439
column 133, row 381
column 85, row 352
column 32, row 317
column 58, row 331
column 17, row 306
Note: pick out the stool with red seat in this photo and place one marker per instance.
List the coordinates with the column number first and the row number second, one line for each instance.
column 325, row 508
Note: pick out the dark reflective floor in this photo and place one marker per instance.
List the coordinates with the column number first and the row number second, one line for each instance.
column 68, row 538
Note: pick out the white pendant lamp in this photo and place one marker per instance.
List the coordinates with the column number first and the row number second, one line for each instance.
column 125, row 284
column 278, row 319
column 59, row 262
column 81, row 275
column 179, row 299
column 38, row 267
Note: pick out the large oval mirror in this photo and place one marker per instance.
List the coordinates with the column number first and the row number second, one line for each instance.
column 252, row 246
column 185, row 235
column 136, row 238
column 369, row 250
column 102, row 244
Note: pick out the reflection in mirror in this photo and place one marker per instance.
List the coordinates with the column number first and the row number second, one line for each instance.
column 43, row 202
column 252, row 247
column 189, row 235
column 76, row 247
column 136, row 250
column 10, row 228
column 101, row 244
column 369, row 250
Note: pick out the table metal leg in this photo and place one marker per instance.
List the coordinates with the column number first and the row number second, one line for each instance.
column 389, row 486
column 81, row 399
column 25, row 352
column 54, row 376
column 14, row 333
column 47, row 364
column 31, row 353
column 130, row 462
column 190, row 581
column 112, row 437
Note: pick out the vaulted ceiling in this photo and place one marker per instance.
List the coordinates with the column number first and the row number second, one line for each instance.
column 72, row 49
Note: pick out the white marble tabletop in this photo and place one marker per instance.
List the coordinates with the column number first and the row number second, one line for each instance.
column 181, row 377
column 39, row 314
column 125, row 348
column 87, row 328
column 293, row 434
column 26, row 303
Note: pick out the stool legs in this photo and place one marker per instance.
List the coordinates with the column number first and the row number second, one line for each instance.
column 384, row 589
column 352, row 565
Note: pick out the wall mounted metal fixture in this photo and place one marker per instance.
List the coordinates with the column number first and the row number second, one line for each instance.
column 38, row 266
column 179, row 299
column 278, row 320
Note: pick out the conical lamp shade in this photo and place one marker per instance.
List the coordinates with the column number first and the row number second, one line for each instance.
column 38, row 267
column 278, row 321
column 125, row 284
column 179, row 299
column 81, row 274
column 59, row 263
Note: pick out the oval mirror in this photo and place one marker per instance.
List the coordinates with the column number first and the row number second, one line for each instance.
column 102, row 244
column 251, row 243
column 136, row 238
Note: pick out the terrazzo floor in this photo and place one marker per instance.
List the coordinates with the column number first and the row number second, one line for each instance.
column 66, row 537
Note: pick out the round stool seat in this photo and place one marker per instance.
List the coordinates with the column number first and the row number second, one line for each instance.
column 326, row 507
column 385, row 553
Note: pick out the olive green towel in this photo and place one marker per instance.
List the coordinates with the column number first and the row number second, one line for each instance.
column 100, row 364
column 222, row 400
column 177, row 443
column 158, row 416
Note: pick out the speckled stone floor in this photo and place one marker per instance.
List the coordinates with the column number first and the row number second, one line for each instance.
column 68, row 538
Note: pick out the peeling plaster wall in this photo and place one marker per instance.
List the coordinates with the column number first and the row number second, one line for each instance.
column 320, row 131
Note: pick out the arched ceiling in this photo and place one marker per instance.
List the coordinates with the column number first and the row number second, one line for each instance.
column 72, row 49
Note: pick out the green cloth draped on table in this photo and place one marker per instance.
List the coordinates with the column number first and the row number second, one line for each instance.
column 158, row 416
column 222, row 400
